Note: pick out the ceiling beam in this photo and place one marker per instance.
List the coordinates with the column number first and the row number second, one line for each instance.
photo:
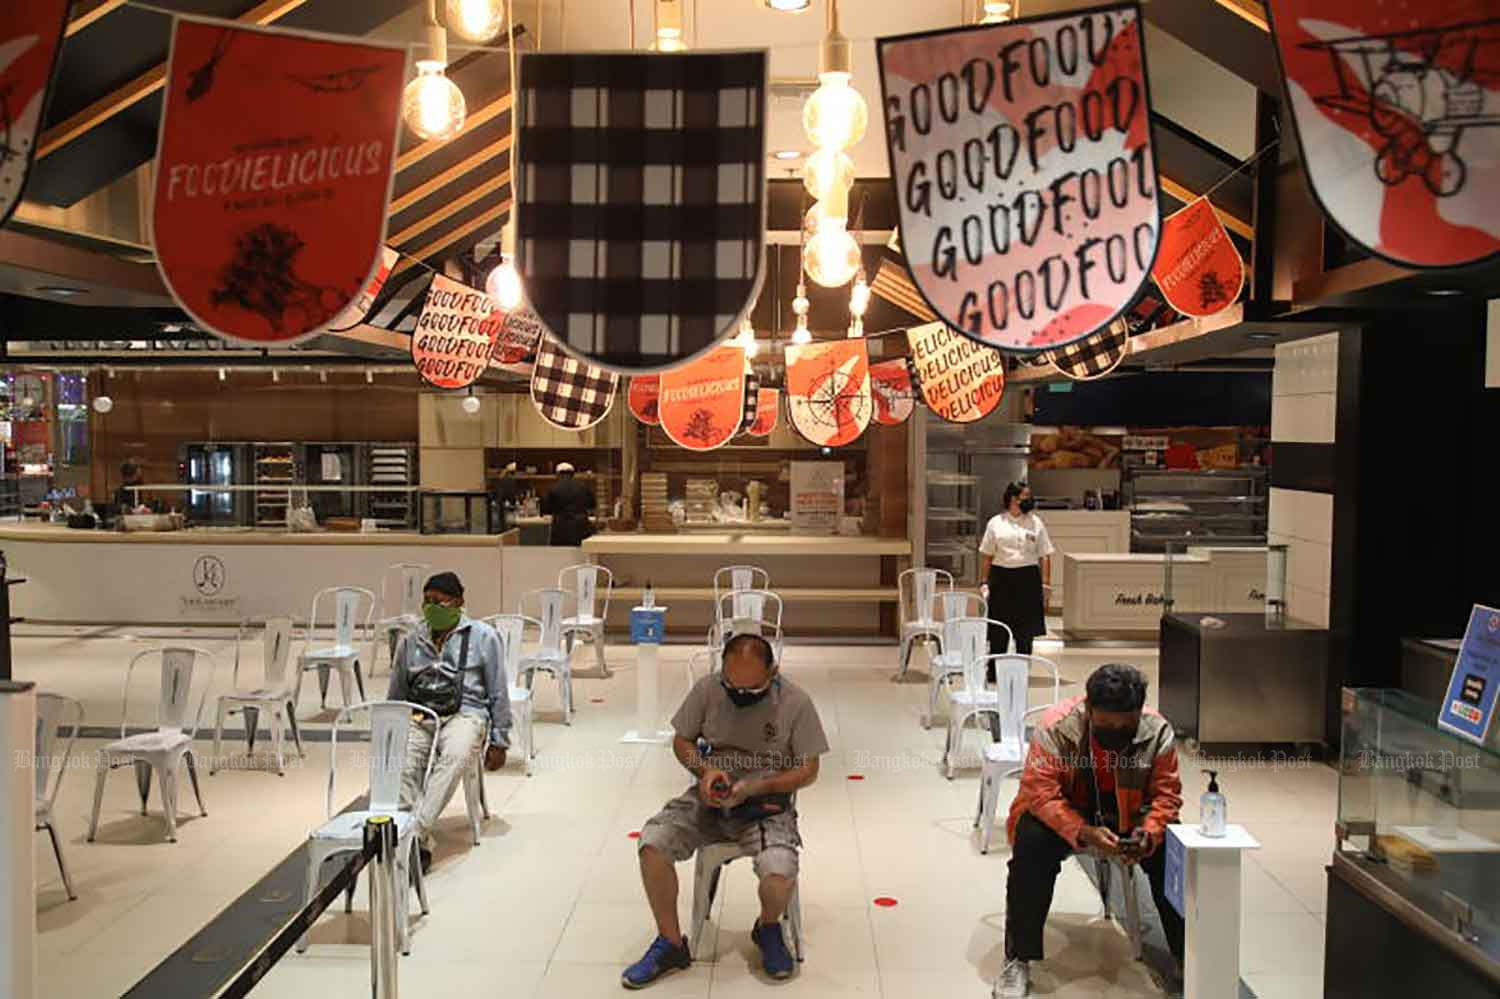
column 1232, row 33
column 143, row 86
column 87, row 13
column 1250, row 10
column 483, row 115
column 1231, row 222
column 450, row 209
column 435, row 183
column 409, row 260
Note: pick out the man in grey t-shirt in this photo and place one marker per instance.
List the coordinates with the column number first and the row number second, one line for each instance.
column 751, row 739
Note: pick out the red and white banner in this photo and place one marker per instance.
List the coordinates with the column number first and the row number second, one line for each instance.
column 273, row 171
column 1021, row 153
column 702, row 403
column 961, row 381
column 895, row 398
column 828, row 390
column 767, row 408
column 31, row 34
column 1396, row 107
column 355, row 312
column 455, row 334
column 1198, row 269
column 515, row 347
column 644, row 397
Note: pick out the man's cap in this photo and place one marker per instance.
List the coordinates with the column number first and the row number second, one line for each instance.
column 510, row 467
column 446, row 583
column 564, row 466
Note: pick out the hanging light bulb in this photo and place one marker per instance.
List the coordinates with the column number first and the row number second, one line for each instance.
column 859, row 297
column 475, row 20
column 471, row 403
column 856, row 327
column 746, row 340
column 827, row 169
column 669, row 26
column 432, row 105
column 504, row 283
column 995, row 12
column 835, row 116
column 103, row 404
column 832, row 256
column 801, row 334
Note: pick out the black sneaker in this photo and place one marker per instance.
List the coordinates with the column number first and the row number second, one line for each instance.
column 662, row 958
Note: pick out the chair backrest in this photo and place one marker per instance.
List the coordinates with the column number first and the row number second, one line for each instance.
column 755, row 611
column 53, row 711
column 178, row 667
column 739, row 578
column 408, row 577
column 512, row 631
column 390, row 732
column 276, row 647
column 548, row 603
column 957, row 605
column 1013, row 683
column 352, row 606
column 971, row 642
column 582, row 581
column 917, row 590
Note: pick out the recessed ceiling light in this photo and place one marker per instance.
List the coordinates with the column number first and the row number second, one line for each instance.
column 789, row 6
column 1445, row 292
column 788, row 154
column 61, row 290
column 1262, row 335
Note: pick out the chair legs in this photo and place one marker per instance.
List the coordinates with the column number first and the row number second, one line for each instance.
column 291, row 721
column 475, row 804
column 191, row 759
column 955, row 740
column 62, row 866
column 598, row 637
column 706, row 876
column 143, row 781
column 989, row 799
column 219, row 715
column 101, row 771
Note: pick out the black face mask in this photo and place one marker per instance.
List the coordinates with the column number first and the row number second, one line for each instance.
column 1028, row 504
column 742, row 698
column 1115, row 740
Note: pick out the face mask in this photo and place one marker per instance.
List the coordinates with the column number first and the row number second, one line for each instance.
column 742, row 698
column 441, row 617
column 1028, row 504
column 1115, row 740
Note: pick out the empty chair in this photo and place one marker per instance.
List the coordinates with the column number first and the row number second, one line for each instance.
column 162, row 752
column 756, row 612
column 549, row 656
column 390, row 730
column 956, row 605
column 739, row 578
column 400, row 603
column 53, row 711
column 700, row 664
column 971, row 701
column 917, row 591
column 512, row 631
column 274, row 695
column 339, row 646
column 583, row 582
column 1005, row 756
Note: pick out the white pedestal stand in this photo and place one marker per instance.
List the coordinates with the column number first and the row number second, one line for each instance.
column 1203, row 880
column 647, row 628
column 18, row 842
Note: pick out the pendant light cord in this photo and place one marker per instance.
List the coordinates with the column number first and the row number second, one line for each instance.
column 515, row 101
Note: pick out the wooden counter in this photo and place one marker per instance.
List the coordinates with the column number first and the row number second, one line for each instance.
column 58, row 534
column 1119, row 593
column 1093, row 532
column 743, row 543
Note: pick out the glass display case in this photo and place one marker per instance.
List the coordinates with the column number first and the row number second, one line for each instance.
column 1208, row 507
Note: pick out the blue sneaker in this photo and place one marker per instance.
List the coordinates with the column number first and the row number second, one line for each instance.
column 773, row 953
column 662, row 958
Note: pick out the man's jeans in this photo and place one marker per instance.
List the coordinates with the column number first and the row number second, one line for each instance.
column 458, row 740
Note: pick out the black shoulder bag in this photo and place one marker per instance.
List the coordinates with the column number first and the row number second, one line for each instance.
column 440, row 690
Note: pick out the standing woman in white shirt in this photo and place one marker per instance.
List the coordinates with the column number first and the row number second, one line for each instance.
column 1016, row 562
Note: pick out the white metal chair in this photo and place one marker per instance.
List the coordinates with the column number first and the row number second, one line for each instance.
column 400, row 603
column 916, row 591
column 512, row 631
column 708, row 865
column 163, row 751
column 699, row 664
column 973, row 700
column 581, row 582
column 274, row 695
column 1005, row 757
column 957, row 605
column 755, row 612
column 390, row 732
column 53, row 711
column 549, row 656
column 353, row 609
column 738, row 579
column 1100, row 869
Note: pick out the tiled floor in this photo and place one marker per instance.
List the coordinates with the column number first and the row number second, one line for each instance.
column 550, row 904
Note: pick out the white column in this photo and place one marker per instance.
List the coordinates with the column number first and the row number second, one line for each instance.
column 1211, row 908
column 17, row 851
column 647, row 628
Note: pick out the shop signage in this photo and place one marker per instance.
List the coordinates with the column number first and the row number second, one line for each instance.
column 895, row 397
column 1026, row 182
column 209, row 577
column 642, row 252
column 644, row 398
column 828, row 390
column 817, row 489
column 1469, row 705
column 355, row 312
column 568, row 393
column 767, row 407
column 455, row 334
column 1198, row 269
column 960, row 380
column 1139, row 599
column 702, row 403
column 1096, row 355
column 273, row 171
column 31, row 34
column 1395, row 107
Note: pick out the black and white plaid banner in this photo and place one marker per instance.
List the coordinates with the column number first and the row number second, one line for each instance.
column 641, row 211
column 1096, row 355
column 752, row 398
column 569, row 393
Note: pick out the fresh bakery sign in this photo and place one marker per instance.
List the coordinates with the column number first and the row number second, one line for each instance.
column 1143, row 599
column 455, row 334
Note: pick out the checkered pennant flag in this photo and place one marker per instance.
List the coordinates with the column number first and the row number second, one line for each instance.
column 570, row 393
column 752, row 399
column 1096, row 355
column 641, row 209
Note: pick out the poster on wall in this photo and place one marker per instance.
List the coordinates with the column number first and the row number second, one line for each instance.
column 1198, row 269
column 1022, row 152
column 455, row 334
column 355, row 312
column 643, row 398
column 1396, row 107
column 1074, row 447
column 1096, row 355
column 641, row 253
column 895, row 397
column 31, row 34
column 767, row 408
column 273, row 170
column 828, row 390
column 817, row 494
column 960, row 380
column 703, row 402
column 568, row 393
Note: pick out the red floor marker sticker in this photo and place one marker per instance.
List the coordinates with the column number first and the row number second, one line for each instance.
column 855, row 777
column 596, row 700
column 885, row 901
column 634, row 835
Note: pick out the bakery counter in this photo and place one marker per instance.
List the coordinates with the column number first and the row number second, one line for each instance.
column 1116, row 594
column 1090, row 532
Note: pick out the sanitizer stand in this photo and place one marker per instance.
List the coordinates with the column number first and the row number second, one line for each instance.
column 648, row 625
column 1203, row 883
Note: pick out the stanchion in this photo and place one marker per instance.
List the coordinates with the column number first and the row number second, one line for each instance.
column 385, row 894
column 17, row 850
column 648, row 625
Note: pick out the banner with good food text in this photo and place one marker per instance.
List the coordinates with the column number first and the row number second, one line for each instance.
column 31, row 34
column 273, row 172
column 828, row 390
column 767, row 408
column 702, row 403
column 895, row 396
column 455, row 334
column 1396, row 107
column 644, row 397
column 1021, row 154
column 1198, row 269
column 355, row 312
column 960, row 380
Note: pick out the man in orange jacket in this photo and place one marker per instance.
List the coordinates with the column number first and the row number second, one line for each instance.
column 1101, row 775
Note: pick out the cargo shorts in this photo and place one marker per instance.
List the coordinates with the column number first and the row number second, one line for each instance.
column 685, row 824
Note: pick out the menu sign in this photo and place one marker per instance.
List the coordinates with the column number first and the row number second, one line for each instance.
column 894, row 399
column 828, row 390
column 961, row 381
column 355, row 312
column 455, row 334
column 817, row 489
column 1026, row 183
column 1469, row 705
column 273, row 171
column 1198, row 269
column 703, row 402
column 643, row 397
column 31, row 34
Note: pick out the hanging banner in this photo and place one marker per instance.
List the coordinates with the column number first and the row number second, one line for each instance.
column 570, row 394
column 895, row 396
column 520, row 331
column 767, row 407
column 1094, row 356
column 31, row 34
column 644, row 251
column 273, row 171
column 960, row 380
column 455, row 334
column 703, row 401
column 1022, row 154
column 355, row 312
column 751, row 408
column 1198, row 269
column 643, row 397
column 828, row 390
column 1395, row 107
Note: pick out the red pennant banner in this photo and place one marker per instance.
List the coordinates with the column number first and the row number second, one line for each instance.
column 31, row 34
column 828, row 390
column 767, row 407
column 1395, row 106
column 894, row 399
column 455, row 334
column 520, row 332
column 644, row 397
column 355, row 312
column 961, row 381
column 273, row 171
column 702, row 403
column 1198, row 269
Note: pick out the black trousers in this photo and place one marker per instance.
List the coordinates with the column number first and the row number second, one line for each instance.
column 1035, row 861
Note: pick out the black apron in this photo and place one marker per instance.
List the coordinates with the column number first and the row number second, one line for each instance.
column 1016, row 600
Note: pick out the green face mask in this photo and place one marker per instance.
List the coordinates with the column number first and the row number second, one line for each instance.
column 440, row 617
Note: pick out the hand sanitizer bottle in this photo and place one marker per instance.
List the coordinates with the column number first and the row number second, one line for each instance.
column 648, row 598
column 1213, row 808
